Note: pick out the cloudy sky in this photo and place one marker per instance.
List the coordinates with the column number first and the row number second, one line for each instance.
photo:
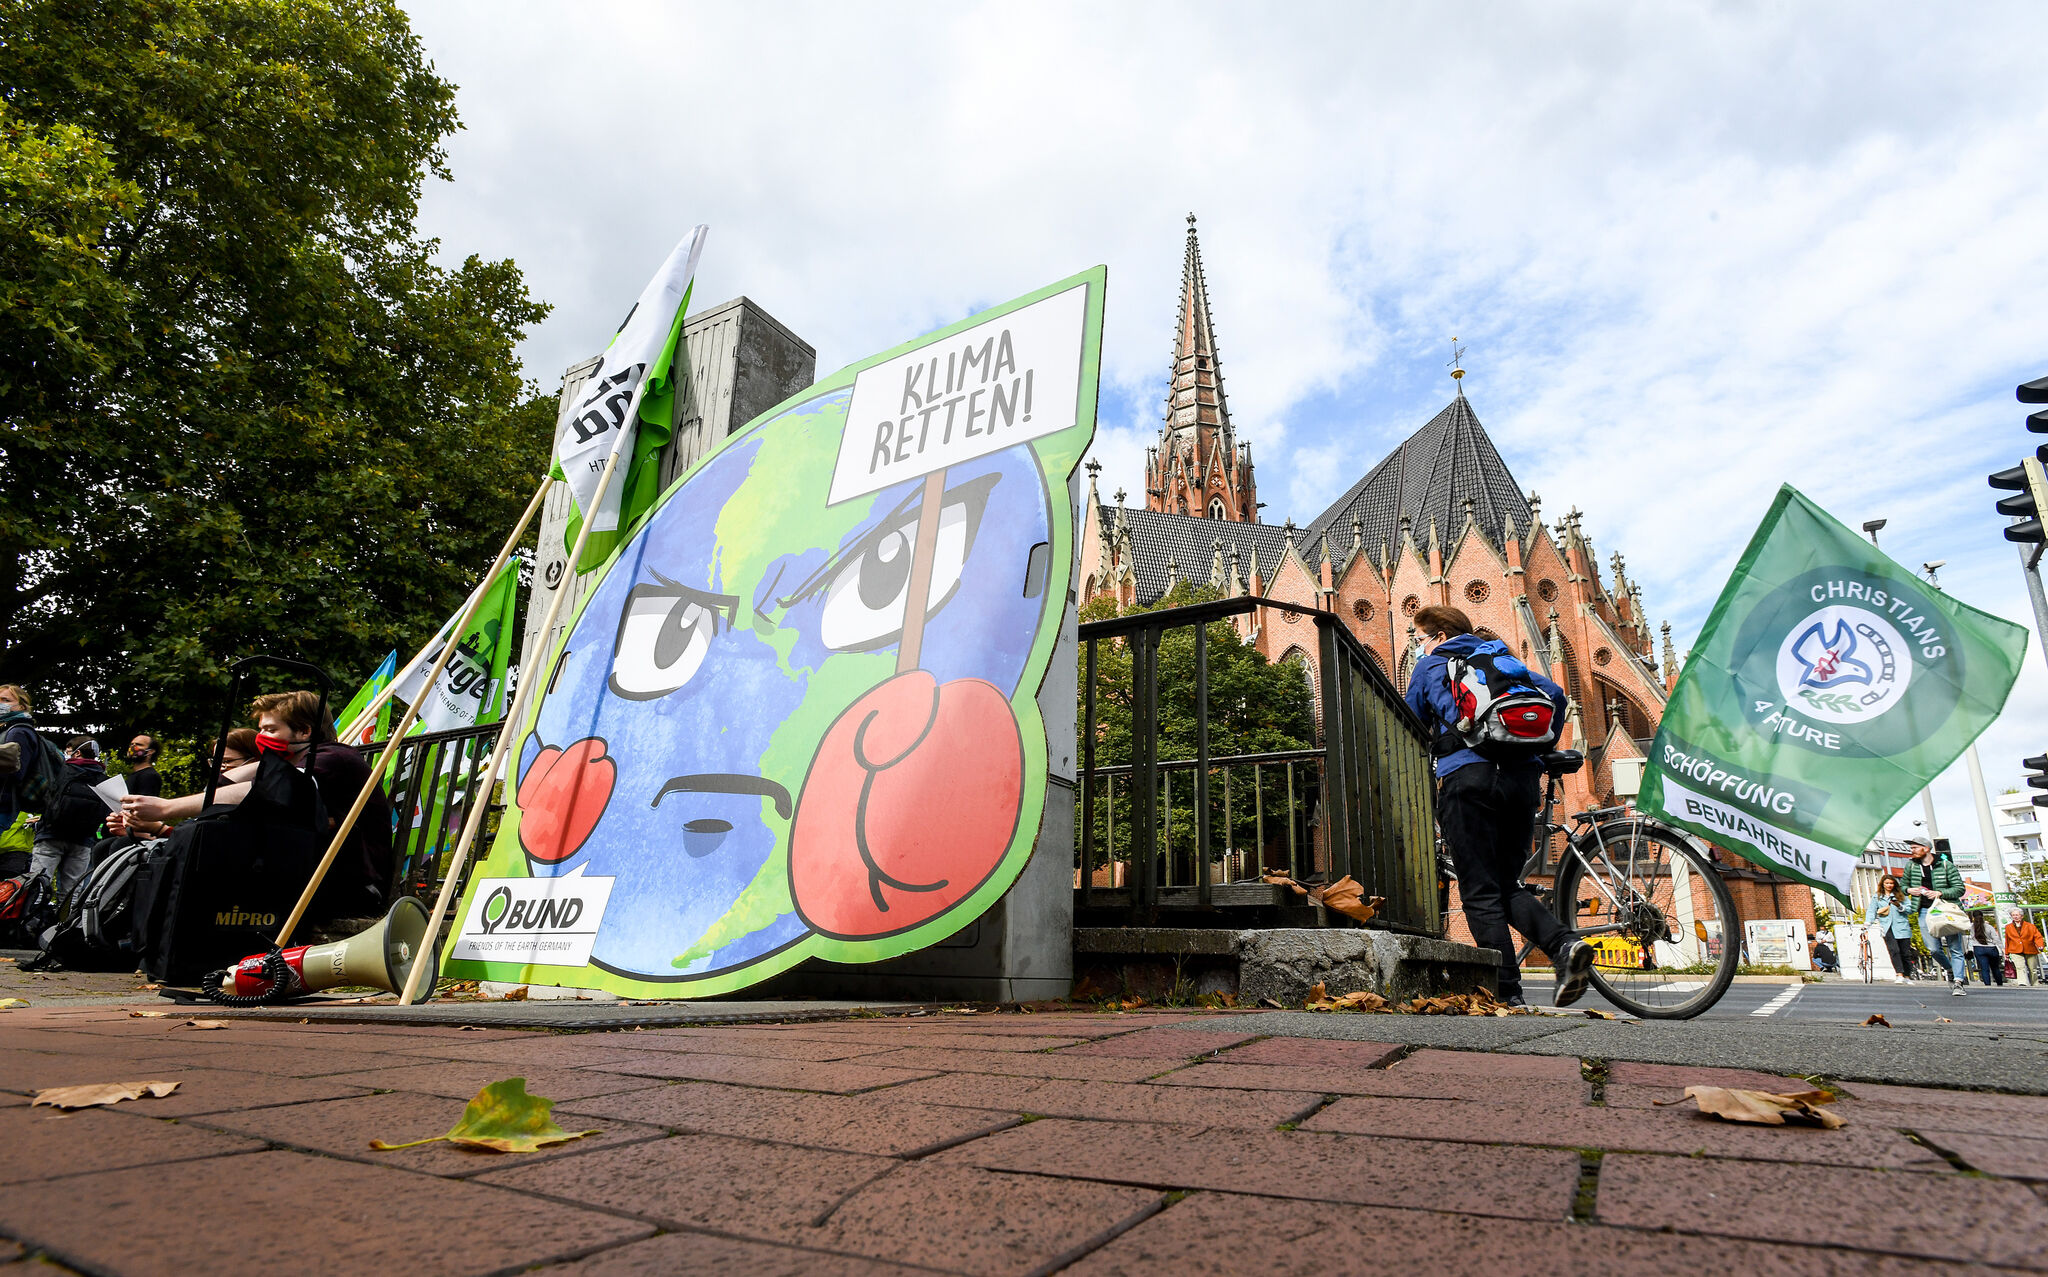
column 1695, row 251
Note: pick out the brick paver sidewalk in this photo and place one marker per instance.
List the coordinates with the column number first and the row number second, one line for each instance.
column 991, row 1143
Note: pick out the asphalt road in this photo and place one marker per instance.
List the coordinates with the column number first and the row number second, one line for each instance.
column 1851, row 1002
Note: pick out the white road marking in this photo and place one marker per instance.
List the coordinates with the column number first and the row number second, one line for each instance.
column 1780, row 1002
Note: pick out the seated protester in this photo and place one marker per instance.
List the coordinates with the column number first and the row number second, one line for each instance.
column 239, row 752
column 291, row 724
column 1824, row 957
column 141, row 759
column 71, row 820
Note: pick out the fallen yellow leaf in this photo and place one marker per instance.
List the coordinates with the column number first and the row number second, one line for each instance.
column 9, row 1004
column 502, row 1118
column 96, row 1094
column 147, row 1015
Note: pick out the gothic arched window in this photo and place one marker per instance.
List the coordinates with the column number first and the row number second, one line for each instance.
column 1216, row 508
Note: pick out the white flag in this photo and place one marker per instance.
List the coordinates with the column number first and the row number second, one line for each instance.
column 600, row 421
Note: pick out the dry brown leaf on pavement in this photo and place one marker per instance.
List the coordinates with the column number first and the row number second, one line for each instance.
column 151, row 1015
column 502, row 1118
column 1592, row 1014
column 1942, row 1019
column 95, row 1094
column 517, row 995
column 1761, row 1108
column 1877, row 1020
column 201, row 1024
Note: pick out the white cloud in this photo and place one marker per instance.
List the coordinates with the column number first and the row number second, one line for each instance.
column 1696, row 250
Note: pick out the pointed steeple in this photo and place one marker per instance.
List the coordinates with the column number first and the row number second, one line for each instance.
column 1218, row 481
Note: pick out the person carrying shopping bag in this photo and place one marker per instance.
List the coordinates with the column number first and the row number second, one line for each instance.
column 1932, row 881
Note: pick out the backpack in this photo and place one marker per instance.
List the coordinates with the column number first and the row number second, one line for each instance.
column 97, row 932
column 1502, row 714
column 74, row 811
column 26, row 910
column 41, row 776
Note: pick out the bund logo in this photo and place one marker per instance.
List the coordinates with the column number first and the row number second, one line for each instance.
column 1843, row 664
column 494, row 910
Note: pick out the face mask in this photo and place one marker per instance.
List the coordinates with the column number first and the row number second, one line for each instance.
column 272, row 745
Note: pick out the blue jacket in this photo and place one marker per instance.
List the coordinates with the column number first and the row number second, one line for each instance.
column 1891, row 918
column 1429, row 691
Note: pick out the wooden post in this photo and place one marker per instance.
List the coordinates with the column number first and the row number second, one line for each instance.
column 412, row 713
column 508, row 728
column 917, row 591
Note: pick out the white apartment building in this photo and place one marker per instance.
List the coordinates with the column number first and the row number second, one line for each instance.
column 2019, row 826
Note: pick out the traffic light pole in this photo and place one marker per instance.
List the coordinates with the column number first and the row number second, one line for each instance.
column 2030, row 566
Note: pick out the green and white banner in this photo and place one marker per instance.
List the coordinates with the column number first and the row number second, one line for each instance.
column 471, row 689
column 625, row 408
column 1829, row 687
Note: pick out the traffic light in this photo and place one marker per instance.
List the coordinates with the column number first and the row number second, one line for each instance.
column 2029, row 478
column 2038, row 765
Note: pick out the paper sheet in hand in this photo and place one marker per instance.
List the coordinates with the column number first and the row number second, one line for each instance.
column 111, row 791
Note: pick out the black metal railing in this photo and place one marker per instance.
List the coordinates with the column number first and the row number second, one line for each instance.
column 1358, row 801
column 431, row 784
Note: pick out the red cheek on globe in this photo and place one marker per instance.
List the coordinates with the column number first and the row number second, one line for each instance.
column 561, row 798
column 909, row 806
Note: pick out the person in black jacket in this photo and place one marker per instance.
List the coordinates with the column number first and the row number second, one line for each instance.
column 71, row 821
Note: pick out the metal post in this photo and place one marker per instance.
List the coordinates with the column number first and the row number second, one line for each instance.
column 1144, row 768
column 1987, row 829
column 1088, row 778
column 2030, row 565
column 1293, row 853
column 1202, row 874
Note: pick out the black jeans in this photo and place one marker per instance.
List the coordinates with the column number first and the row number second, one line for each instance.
column 1488, row 814
column 1901, row 948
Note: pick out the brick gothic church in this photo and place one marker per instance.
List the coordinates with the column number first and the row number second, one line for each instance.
column 1438, row 520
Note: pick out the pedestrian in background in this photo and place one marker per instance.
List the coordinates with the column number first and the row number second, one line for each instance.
column 2023, row 942
column 1930, row 877
column 1891, row 916
column 1990, row 962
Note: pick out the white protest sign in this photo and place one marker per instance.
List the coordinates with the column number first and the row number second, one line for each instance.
column 1007, row 380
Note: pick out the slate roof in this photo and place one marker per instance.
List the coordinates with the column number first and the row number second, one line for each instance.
column 1159, row 539
column 1428, row 478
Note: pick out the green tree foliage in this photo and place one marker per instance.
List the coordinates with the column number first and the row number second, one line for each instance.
column 242, row 409
column 1255, row 707
column 2029, row 882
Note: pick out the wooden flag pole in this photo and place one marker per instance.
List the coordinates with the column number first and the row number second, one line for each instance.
column 377, row 702
column 412, row 713
column 508, row 729
column 917, row 592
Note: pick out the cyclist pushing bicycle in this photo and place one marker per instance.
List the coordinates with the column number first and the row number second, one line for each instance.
column 1491, row 720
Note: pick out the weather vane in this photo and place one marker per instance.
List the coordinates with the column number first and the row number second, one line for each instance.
column 1457, row 353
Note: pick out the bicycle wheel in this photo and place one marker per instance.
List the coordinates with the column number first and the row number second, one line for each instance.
column 1648, row 900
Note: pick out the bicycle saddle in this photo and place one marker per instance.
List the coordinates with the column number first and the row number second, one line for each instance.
column 1563, row 762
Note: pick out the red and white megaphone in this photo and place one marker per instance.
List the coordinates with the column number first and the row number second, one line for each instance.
column 381, row 957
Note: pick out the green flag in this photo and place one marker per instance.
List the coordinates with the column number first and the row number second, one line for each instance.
column 381, row 728
column 1829, row 686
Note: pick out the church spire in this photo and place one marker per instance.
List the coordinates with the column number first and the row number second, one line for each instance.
column 1216, row 477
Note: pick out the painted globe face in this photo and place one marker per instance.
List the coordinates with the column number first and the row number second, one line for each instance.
column 685, row 714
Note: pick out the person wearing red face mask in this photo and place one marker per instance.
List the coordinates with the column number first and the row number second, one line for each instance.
column 291, row 726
